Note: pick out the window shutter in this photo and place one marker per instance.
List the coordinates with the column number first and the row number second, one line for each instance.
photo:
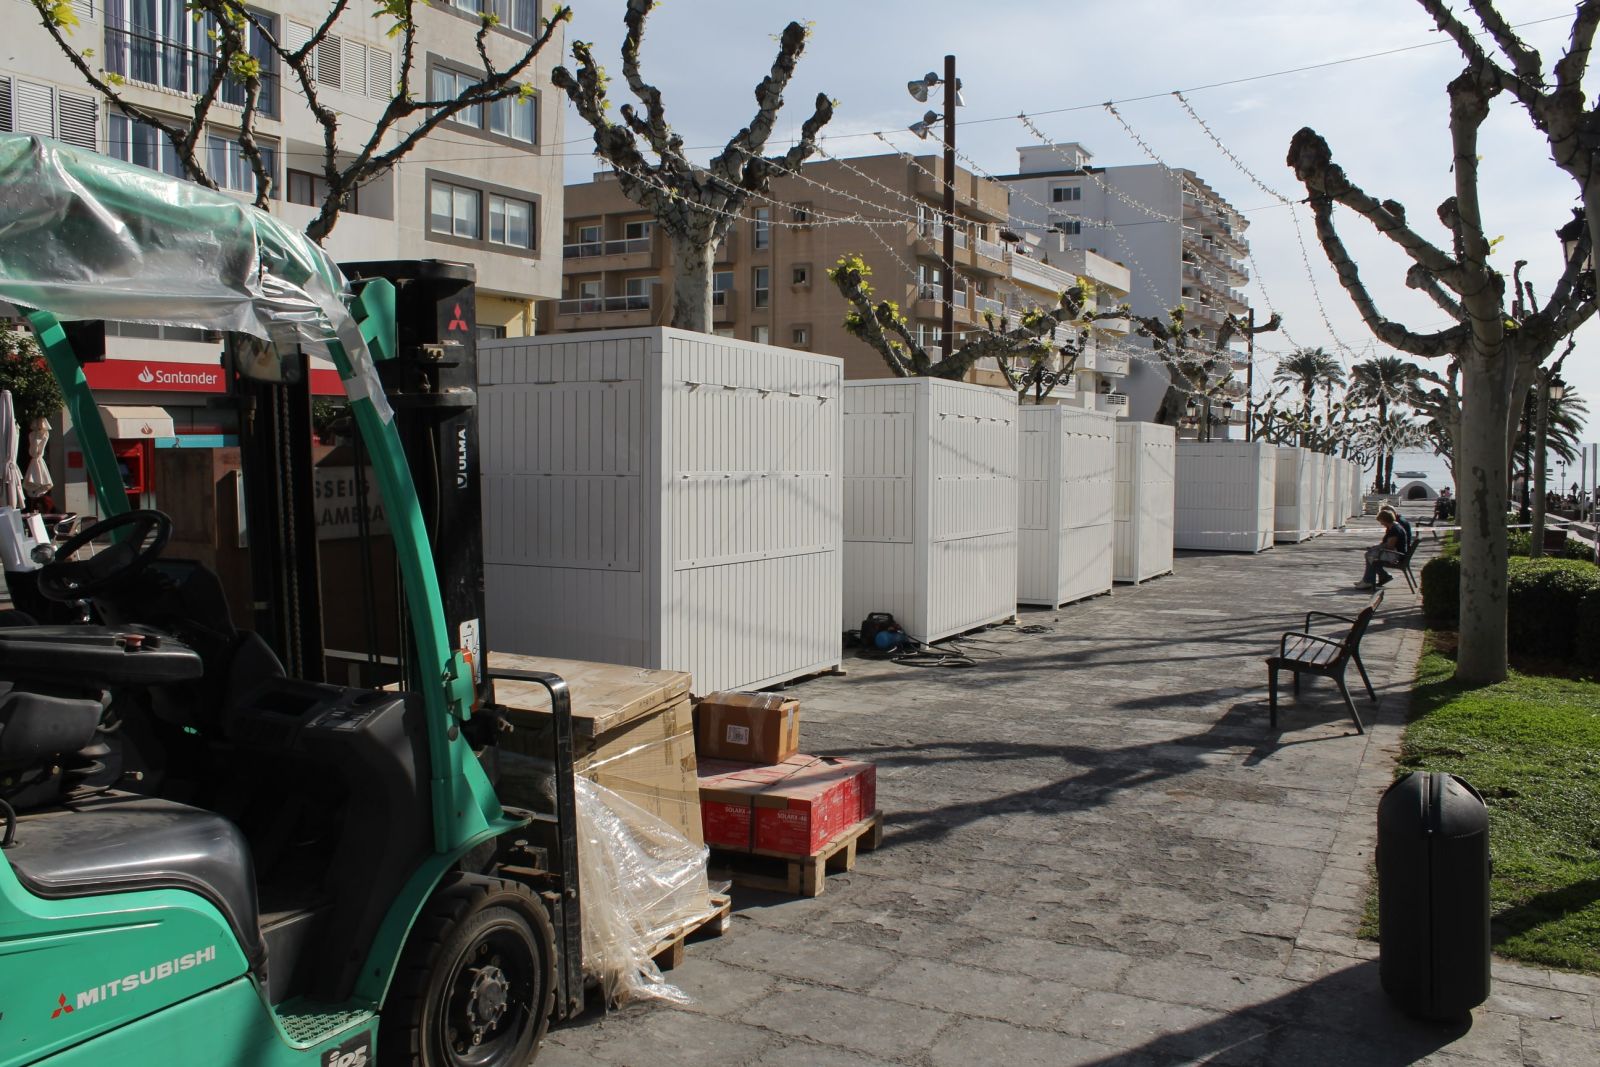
column 330, row 69
column 34, row 109
column 84, row 9
column 5, row 106
column 380, row 74
column 299, row 33
column 80, row 120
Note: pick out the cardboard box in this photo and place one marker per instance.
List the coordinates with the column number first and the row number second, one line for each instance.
column 633, row 732
column 753, row 727
column 794, row 808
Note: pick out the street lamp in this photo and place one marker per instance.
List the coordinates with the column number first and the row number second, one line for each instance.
column 1571, row 234
column 919, row 89
column 1557, row 388
column 1552, row 389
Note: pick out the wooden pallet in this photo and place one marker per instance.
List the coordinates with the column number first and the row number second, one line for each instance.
column 804, row 876
column 669, row 952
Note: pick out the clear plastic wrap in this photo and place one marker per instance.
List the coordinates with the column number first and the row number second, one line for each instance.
column 84, row 236
column 642, row 882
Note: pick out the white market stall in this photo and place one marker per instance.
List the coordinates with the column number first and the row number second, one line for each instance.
column 1142, row 545
column 663, row 499
column 930, row 504
column 1318, row 511
column 1067, row 476
column 1332, row 494
column 1226, row 495
column 1353, row 500
column 1294, row 512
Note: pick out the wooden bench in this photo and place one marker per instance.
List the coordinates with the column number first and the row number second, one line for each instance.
column 1303, row 652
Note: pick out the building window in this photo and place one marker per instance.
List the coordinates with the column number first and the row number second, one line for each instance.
column 312, row 190
column 800, row 275
column 519, row 16
column 721, row 286
column 761, row 232
column 760, row 335
column 515, row 118
column 800, row 215
column 167, row 45
column 136, row 142
column 28, row 107
column 230, row 168
column 1070, row 227
column 454, row 211
column 638, row 230
column 722, row 331
column 1061, row 194
column 447, row 84
column 800, row 336
column 588, row 235
column 491, row 333
column 510, row 221
column 761, row 287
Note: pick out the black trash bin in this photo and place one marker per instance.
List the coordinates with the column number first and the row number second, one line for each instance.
column 1433, row 896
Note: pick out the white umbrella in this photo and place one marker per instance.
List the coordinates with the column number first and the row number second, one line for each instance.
column 11, row 479
column 36, row 481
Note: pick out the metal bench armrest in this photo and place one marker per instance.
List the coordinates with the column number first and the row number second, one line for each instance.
column 1327, row 615
column 1283, row 643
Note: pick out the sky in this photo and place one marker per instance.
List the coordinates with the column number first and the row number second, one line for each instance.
column 1385, row 118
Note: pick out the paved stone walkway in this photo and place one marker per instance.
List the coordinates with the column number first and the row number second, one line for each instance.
column 1098, row 853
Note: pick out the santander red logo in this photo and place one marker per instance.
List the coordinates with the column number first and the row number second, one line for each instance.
column 145, row 376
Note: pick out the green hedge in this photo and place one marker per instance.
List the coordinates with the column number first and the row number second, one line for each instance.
column 1547, row 597
column 1518, row 543
column 1441, row 590
column 1554, row 604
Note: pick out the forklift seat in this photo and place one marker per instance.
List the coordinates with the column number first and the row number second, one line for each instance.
column 123, row 843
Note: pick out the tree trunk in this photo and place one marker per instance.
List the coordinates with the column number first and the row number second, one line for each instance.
column 692, row 260
column 1481, row 474
column 1540, row 467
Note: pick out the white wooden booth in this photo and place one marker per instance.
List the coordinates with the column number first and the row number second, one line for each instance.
column 1226, row 495
column 1066, row 487
column 930, row 504
column 1333, row 510
column 1294, row 517
column 1142, row 545
column 663, row 499
column 1352, row 506
column 1318, row 512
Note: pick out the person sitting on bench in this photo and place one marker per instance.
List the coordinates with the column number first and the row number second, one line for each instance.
column 1390, row 549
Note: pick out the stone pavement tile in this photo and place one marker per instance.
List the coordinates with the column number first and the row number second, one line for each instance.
column 715, row 988
column 1074, row 965
column 893, row 1032
column 799, row 956
column 649, row 1036
column 876, row 928
column 972, row 1042
column 1547, row 1044
column 1587, row 984
column 971, row 991
column 1159, row 1029
column 1547, row 1005
column 1208, row 986
column 810, row 1054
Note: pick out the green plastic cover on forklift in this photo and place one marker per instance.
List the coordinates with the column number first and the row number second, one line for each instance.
column 90, row 237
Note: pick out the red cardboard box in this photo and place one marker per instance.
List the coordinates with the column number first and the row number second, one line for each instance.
column 793, row 808
column 813, row 804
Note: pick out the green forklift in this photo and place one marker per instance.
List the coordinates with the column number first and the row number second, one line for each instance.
column 211, row 853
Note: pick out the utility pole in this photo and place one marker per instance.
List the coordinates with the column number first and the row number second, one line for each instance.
column 1250, row 378
column 948, row 340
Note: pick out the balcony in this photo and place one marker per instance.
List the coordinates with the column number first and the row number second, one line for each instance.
column 724, row 303
column 591, row 249
column 988, row 305
column 605, row 312
column 1112, row 404
column 170, row 65
column 1113, row 363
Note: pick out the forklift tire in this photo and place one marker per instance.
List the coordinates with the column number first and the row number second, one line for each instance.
column 476, row 981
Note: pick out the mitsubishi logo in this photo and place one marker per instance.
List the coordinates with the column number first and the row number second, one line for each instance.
column 146, row 377
column 63, row 1007
column 457, row 322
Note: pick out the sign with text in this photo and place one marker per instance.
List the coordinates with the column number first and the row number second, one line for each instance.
column 136, row 375
column 338, row 508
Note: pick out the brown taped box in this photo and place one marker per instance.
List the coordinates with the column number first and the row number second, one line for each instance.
column 633, row 734
column 749, row 727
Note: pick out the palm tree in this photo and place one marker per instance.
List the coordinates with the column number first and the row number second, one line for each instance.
column 1562, row 434
column 1310, row 369
column 1377, row 383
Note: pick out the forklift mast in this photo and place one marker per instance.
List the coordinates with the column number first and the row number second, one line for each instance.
column 432, row 385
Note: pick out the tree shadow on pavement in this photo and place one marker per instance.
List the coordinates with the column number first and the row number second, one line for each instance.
column 1342, row 1018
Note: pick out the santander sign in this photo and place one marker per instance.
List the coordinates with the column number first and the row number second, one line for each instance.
column 140, row 376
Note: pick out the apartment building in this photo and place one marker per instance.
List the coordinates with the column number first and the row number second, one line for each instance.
column 1182, row 241
column 770, row 282
column 480, row 189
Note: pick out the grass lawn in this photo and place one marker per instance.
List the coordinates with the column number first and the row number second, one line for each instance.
column 1531, row 746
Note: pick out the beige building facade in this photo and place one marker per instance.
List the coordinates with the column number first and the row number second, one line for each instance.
column 771, row 283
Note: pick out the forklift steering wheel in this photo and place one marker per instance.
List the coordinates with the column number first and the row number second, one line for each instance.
column 65, row 579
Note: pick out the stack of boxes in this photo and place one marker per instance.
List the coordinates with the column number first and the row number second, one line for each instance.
column 758, row 794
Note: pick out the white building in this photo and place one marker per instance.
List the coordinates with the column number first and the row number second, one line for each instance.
column 1181, row 241
column 479, row 189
